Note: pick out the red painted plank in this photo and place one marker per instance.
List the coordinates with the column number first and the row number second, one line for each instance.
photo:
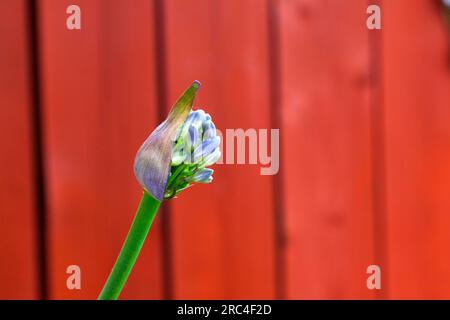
column 18, row 276
column 99, row 106
column 325, row 105
column 223, row 234
column 416, row 80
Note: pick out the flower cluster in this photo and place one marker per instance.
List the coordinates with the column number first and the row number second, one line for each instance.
column 196, row 148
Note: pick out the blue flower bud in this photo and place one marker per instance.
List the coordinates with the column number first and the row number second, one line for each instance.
column 202, row 176
column 177, row 153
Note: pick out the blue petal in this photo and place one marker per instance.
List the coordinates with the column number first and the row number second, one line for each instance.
column 187, row 124
column 212, row 158
column 203, row 176
column 207, row 147
column 194, row 137
column 209, row 130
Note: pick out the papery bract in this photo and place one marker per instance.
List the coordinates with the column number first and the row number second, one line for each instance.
column 153, row 160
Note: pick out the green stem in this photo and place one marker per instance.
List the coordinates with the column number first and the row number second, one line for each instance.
column 175, row 175
column 131, row 247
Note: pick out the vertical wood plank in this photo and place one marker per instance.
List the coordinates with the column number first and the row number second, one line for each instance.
column 222, row 234
column 99, row 106
column 326, row 143
column 416, row 81
column 18, row 260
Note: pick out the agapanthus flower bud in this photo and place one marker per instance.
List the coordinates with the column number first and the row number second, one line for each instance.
column 178, row 151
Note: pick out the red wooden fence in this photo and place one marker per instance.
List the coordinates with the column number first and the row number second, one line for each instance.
column 325, row 107
column 416, row 97
column 18, row 267
column 363, row 118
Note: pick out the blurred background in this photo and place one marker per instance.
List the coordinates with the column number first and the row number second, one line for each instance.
column 364, row 119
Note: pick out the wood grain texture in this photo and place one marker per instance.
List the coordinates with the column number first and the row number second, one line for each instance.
column 18, row 258
column 326, row 158
column 416, row 81
column 222, row 234
column 98, row 107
